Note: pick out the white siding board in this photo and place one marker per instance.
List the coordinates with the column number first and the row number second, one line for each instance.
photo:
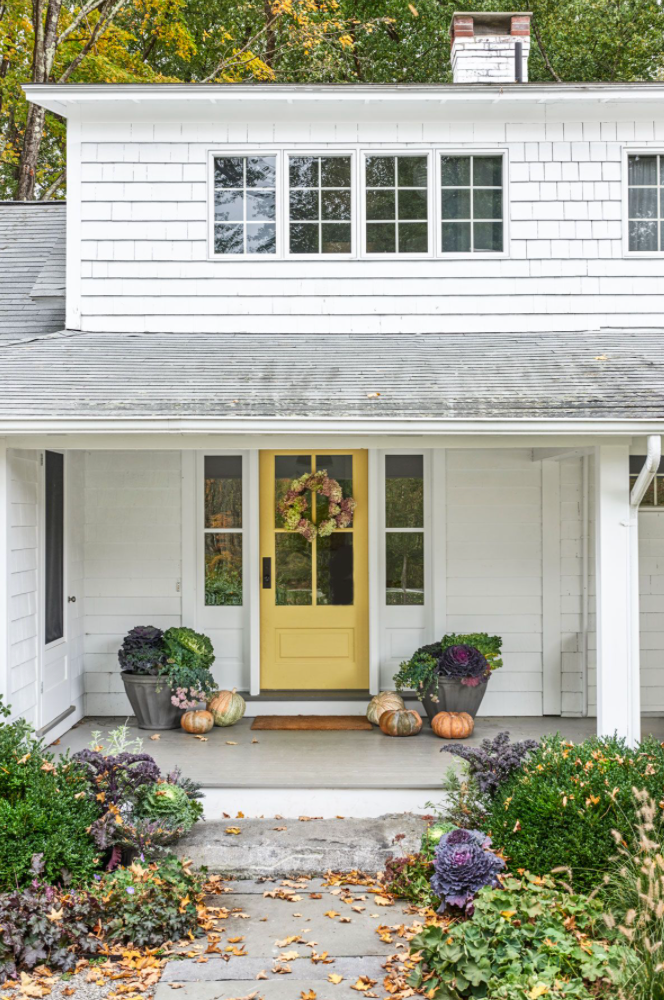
column 23, row 594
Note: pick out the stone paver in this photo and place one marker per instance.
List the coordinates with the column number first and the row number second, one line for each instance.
column 264, row 924
column 301, row 848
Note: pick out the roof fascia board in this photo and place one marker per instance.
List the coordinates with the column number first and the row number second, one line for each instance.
column 248, row 426
column 62, row 99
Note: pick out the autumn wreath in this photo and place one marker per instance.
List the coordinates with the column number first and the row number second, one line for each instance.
column 295, row 505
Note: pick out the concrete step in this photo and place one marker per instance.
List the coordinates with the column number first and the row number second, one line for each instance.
column 292, row 847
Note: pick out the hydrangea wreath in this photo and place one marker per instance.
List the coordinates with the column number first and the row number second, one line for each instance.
column 295, row 505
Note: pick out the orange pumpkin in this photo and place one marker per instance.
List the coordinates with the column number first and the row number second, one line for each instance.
column 453, row 725
column 197, row 721
column 401, row 722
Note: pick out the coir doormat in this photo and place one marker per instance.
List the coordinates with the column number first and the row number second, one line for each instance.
column 314, row 723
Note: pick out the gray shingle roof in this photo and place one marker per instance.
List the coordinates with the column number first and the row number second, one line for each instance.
column 612, row 374
column 32, row 268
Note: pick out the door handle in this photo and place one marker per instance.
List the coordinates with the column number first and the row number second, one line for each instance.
column 267, row 573
column 71, row 600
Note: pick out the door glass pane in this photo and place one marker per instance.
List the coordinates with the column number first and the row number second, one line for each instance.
column 293, row 575
column 404, row 491
column 223, row 570
column 334, row 566
column 223, row 491
column 54, row 593
column 286, row 469
column 339, row 467
column 404, row 552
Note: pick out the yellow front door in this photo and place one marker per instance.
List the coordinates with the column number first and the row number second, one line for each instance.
column 314, row 595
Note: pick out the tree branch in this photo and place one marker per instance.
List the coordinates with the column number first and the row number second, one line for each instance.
column 80, row 17
column 547, row 61
column 53, row 187
column 104, row 20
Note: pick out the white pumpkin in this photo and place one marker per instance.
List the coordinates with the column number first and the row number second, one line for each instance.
column 227, row 707
column 386, row 701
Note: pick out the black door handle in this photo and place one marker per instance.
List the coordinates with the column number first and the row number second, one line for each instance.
column 267, row 573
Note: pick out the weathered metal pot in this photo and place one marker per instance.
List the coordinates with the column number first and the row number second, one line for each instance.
column 153, row 708
column 453, row 696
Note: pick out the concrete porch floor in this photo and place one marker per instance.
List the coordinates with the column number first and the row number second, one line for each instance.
column 321, row 773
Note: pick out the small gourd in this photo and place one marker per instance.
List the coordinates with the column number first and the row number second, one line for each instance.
column 400, row 722
column 197, row 721
column 227, row 707
column 453, row 725
column 386, row 701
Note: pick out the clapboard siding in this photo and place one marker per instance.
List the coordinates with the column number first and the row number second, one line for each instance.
column 23, row 588
column 494, row 567
column 143, row 246
column 132, row 547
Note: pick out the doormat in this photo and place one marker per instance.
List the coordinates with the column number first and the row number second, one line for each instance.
column 313, row 723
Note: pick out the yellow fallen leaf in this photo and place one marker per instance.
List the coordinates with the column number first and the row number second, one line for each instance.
column 331, row 914
column 262, row 974
column 55, row 915
column 538, row 991
column 231, row 743
column 413, row 10
column 334, row 977
column 507, row 914
column 363, row 984
column 309, row 995
column 233, row 830
column 235, row 940
column 203, row 739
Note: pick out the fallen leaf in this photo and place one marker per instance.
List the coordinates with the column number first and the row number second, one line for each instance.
column 47, row 766
column 309, row 995
column 176, row 986
column 231, row 743
column 372, row 395
column 254, row 741
column 363, row 984
column 233, row 830
column 279, row 829
column 344, row 920
column 262, row 974
column 156, row 736
column 55, row 915
column 331, row 914
column 413, row 10
column 334, row 977
column 203, row 739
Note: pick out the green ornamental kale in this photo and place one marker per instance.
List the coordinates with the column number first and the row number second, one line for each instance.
column 170, row 803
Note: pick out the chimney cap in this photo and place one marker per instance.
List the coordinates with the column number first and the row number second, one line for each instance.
column 491, row 21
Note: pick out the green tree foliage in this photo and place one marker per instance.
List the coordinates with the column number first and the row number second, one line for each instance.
column 291, row 41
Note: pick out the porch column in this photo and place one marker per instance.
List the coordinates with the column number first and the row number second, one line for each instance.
column 4, row 571
column 616, row 562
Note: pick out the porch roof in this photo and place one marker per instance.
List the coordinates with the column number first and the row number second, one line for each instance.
column 604, row 375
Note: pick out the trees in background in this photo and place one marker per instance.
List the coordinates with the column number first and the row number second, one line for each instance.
column 295, row 41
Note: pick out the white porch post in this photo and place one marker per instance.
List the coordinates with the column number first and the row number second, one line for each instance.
column 616, row 561
column 4, row 571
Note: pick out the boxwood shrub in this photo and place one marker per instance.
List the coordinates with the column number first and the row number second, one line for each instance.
column 44, row 810
column 560, row 807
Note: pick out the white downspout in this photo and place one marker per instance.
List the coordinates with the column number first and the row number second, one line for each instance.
column 641, row 486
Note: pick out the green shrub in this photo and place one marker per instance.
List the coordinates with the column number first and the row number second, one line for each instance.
column 147, row 905
column 44, row 810
column 164, row 801
column 559, row 808
column 528, row 939
column 409, row 878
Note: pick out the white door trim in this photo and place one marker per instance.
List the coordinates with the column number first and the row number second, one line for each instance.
column 551, row 598
column 43, row 647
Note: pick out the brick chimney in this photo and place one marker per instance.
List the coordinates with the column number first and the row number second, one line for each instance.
column 490, row 47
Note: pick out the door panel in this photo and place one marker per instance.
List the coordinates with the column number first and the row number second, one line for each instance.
column 314, row 599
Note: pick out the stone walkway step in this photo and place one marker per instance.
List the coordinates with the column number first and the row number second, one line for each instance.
column 289, row 847
column 285, row 988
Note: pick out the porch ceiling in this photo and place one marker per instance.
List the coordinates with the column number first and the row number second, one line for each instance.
column 598, row 375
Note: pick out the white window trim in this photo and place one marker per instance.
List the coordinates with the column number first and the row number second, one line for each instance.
column 626, row 153
column 354, row 202
column 429, row 152
column 252, row 151
column 476, row 254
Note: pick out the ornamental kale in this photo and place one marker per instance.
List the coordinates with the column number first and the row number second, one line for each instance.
column 189, row 656
column 493, row 761
column 464, row 663
column 142, row 650
column 463, row 864
column 433, row 660
column 168, row 802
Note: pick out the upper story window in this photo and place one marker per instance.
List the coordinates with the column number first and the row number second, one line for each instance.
column 471, row 203
column 654, row 497
column 397, row 204
column 320, row 204
column 245, row 205
column 645, row 202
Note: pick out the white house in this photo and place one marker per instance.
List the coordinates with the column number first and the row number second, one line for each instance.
column 449, row 297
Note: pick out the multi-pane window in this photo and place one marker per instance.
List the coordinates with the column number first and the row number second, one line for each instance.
column 397, row 204
column 222, row 530
column 645, row 202
column 320, row 205
column 404, row 529
column 245, row 205
column 654, row 497
column 471, row 200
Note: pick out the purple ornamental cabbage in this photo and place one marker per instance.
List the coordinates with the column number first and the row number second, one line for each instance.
column 466, row 664
column 463, row 864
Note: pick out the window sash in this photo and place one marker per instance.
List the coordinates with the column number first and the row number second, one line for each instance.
column 246, row 223
column 399, row 191
column 653, row 223
column 207, row 583
column 323, row 225
column 471, row 219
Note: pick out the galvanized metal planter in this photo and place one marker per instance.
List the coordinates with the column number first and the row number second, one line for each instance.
column 453, row 696
column 153, row 709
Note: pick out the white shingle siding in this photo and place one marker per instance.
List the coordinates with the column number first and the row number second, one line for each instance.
column 144, row 259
